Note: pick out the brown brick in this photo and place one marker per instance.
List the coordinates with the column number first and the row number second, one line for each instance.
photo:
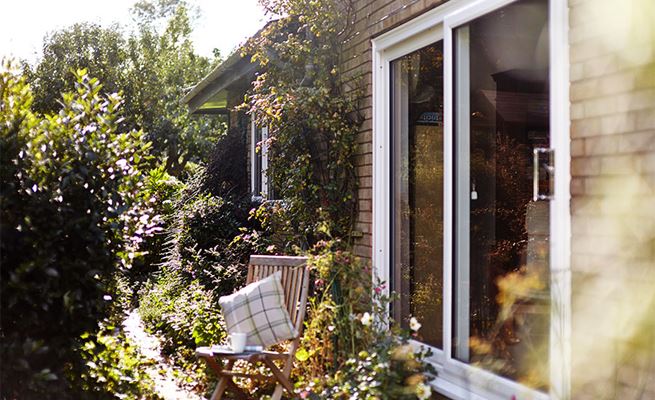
column 577, row 111
column 364, row 194
column 618, row 165
column 577, row 147
column 577, row 186
column 363, row 251
column 363, row 227
column 601, row 145
column 585, row 166
column 637, row 142
column 576, row 72
column 585, row 127
column 617, row 123
column 646, row 119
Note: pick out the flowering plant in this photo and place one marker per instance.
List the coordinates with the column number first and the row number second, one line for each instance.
column 381, row 362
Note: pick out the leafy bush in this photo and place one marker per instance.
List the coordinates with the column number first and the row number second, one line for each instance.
column 227, row 166
column 351, row 348
column 210, row 237
column 149, row 219
column 182, row 313
column 312, row 110
column 342, row 290
column 390, row 370
column 67, row 179
column 209, row 240
column 115, row 369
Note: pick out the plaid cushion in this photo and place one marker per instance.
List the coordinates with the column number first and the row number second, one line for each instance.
column 259, row 310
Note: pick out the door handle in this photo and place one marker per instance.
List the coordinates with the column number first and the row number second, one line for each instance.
column 537, row 154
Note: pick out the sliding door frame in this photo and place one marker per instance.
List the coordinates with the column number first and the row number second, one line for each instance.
column 457, row 379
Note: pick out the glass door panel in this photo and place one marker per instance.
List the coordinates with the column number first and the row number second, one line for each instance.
column 417, row 190
column 501, row 311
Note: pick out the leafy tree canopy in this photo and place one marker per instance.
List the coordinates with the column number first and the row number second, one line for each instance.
column 151, row 67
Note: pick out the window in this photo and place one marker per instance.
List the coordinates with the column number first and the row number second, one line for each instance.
column 501, row 115
column 417, row 173
column 259, row 154
column 465, row 111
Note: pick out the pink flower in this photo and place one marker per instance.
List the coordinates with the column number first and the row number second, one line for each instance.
column 304, row 394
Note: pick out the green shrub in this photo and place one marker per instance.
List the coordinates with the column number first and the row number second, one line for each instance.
column 115, row 370
column 210, row 237
column 390, row 370
column 146, row 235
column 67, row 179
column 351, row 348
column 182, row 313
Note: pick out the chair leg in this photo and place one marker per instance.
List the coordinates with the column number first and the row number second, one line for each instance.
column 224, row 382
column 280, row 377
column 277, row 395
column 220, row 389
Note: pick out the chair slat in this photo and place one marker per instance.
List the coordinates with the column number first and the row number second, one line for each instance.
column 293, row 270
column 294, row 297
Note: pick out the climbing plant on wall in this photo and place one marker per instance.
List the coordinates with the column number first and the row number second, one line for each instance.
column 311, row 108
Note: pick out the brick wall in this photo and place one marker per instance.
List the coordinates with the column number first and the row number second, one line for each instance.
column 612, row 52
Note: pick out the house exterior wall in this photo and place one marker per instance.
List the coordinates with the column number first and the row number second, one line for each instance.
column 373, row 17
column 612, row 92
column 612, row 132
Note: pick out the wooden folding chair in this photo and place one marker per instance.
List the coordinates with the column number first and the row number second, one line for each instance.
column 295, row 280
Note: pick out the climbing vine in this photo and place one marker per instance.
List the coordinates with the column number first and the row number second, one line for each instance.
column 311, row 109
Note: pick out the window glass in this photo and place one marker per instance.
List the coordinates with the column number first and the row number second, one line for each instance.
column 417, row 194
column 500, row 305
column 257, row 162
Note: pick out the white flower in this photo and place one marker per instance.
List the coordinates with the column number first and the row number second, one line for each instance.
column 367, row 319
column 423, row 391
column 414, row 324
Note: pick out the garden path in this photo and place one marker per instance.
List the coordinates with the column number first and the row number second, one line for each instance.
column 161, row 371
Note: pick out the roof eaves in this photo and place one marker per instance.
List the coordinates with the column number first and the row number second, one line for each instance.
column 235, row 64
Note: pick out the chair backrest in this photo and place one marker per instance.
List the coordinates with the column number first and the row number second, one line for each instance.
column 295, row 280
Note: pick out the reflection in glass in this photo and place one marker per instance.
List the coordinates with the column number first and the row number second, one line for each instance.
column 257, row 139
column 417, row 190
column 501, row 245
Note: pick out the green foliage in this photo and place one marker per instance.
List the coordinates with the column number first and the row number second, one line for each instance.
column 311, row 110
column 208, row 237
column 165, row 66
column 152, row 68
column 342, row 290
column 351, row 348
column 102, row 51
column 227, row 168
column 182, row 312
column 149, row 218
column 209, row 242
column 67, row 179
column 365, row 355
column 390, row 370
column 114, row 368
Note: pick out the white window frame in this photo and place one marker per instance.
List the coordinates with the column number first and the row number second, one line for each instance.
column 263, row 194
column 457, row 379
